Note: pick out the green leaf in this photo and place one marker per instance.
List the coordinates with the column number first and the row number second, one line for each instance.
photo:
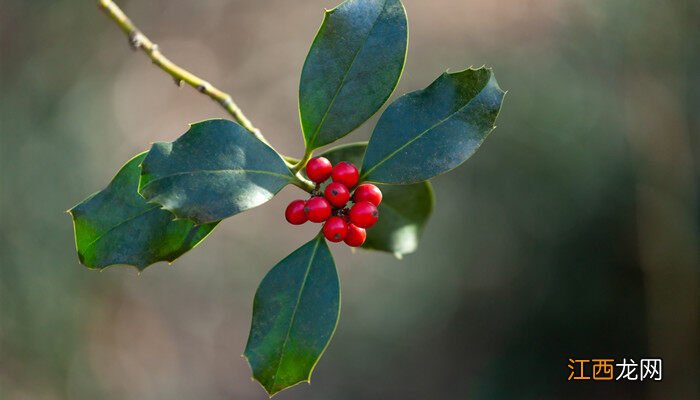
column 295, row 312
column 215, row 170
column 354, row 65
column 431, row 131
column 403, row 212
column 117, row 226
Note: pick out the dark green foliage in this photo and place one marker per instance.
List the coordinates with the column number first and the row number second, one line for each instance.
column 431, row 131
column 295, row 312
column 353, row 66
column 215, row 170
column 117, row 226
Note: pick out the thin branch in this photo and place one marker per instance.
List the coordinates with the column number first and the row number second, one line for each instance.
column 139, row 41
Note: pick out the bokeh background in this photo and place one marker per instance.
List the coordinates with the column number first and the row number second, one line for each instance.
column 573, row 233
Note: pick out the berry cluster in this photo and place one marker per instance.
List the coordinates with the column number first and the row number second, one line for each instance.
column 341, row 223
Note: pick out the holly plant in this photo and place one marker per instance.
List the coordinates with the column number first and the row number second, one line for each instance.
column 375, row 195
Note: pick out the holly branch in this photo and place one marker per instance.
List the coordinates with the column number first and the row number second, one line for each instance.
column 139, row 41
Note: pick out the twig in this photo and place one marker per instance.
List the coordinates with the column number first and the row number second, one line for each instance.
column 139, row 41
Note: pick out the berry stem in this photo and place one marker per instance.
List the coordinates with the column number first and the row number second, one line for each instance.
column 302, row 163
column 301, row 182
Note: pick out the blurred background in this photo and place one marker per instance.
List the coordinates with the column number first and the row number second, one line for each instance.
column 573, row 233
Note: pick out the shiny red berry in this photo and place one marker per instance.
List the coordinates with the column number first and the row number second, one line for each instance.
column 317, row 209
column 364, row 214
column 356, row 236
column 337, row 194
column 368, row 192
column 335, row 229
column 295, row 212
column 346, row 174
column 318, row 169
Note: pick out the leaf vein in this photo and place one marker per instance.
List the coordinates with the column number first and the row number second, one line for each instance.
column 120, row 224
column 252, row 171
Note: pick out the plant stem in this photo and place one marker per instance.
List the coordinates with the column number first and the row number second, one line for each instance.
column 291, row 160
column 139, row 41
column 302, row 163
column 303, row 183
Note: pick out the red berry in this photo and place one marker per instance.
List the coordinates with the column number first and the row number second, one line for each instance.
column 335, row 229
column 346, row 174
column 295, row 212
column 337, row 194
column 317, row 209
column 368, row 192
column 318, row 169
column 356, row 236
column 364, row 214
